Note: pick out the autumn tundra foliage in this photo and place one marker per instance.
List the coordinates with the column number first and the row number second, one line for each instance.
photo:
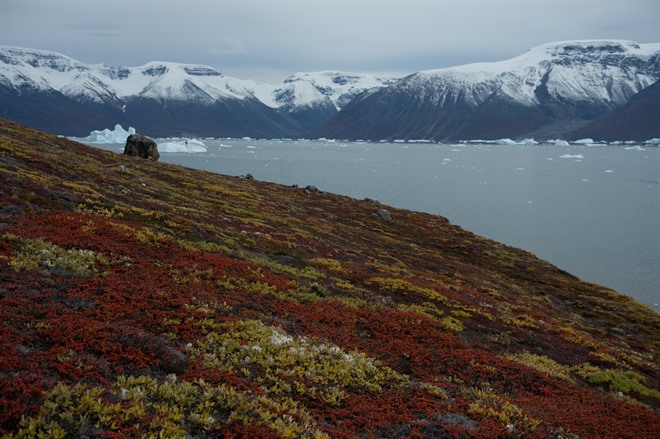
column 141, row 299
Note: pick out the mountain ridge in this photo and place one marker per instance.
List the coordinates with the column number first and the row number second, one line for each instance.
column 547, row 92
column 302, row 103
column 571, row 82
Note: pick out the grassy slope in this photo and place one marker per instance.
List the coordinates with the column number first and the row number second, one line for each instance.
column 141, row 297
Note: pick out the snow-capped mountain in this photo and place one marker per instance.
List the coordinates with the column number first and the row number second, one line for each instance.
column 55, row 92
column 29, row 69
column 548, row 91
column 52, row 91
column 312, row 98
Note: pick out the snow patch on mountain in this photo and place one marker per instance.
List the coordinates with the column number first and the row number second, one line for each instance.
column 22, row 68
column 326, row 87
column 45, row 70
column 597, row 71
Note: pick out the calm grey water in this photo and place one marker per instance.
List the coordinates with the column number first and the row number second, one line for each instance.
column 591, row 210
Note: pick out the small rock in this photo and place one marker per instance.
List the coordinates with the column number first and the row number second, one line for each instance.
column 122, row 169
column 310, row 188
column 384, row 214
column 248, row 177
column 11, row 209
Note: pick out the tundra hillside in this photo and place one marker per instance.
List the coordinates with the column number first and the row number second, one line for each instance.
column 142, row 299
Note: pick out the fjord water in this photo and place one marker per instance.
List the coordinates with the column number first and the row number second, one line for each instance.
column 593, row 211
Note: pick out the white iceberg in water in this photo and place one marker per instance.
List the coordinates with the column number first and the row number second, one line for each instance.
column 504, row 142
column 585, row 142
column 654, row 141
column 558, row 142
column 190, row 145
column 571, row 156
column 118, row 135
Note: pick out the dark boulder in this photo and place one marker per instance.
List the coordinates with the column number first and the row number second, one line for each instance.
column 141, row 146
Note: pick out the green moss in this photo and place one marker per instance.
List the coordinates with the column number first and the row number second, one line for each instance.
column 544, row 364
column 624, row 381
column 31, row 254
column 144, row 407
column 487, row 403
column 287, row 365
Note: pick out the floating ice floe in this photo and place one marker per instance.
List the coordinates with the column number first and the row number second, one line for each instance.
column 504, row 142
column 586, row 141
column 190, row 145
column 654, row 141
column 634, row 148
column 558, row 142
column 118, row 135
column 571, row 156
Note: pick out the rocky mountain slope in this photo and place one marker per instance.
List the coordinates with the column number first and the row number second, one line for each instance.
column 139, row 298
column 313, row 98
column 548, row 92
column 158, row 98
column 638, row 120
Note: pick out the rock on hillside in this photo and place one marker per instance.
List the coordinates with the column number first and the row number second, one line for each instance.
column 201, row 305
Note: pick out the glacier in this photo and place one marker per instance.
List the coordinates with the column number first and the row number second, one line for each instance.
column 119, row 135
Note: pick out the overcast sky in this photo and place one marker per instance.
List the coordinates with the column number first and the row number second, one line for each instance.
column 269, row 40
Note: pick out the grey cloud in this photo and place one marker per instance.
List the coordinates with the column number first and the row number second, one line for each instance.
column 270, row 40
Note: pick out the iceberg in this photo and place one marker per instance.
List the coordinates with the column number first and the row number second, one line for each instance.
column 558, row 142
column 654, row 141
column 584, row 142
column 182, row 146
column 118, row 135
column 504, row 142
column 571, row 156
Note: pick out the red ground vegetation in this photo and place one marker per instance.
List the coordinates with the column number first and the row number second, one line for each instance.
column 114, row 267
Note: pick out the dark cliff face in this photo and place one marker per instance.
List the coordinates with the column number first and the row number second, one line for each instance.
column 638, row 120
column 133, row 291
column 404, row 114
column 59, row 114
column 56, row 113
column 226, row 118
